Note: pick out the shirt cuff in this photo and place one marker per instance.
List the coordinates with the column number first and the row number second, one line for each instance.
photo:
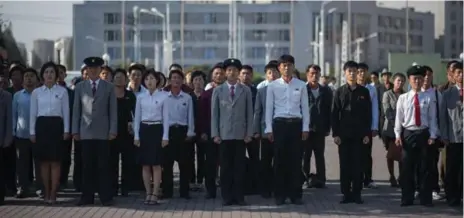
column 165, row 138
column 397, row 135
column 136, row 137
column 190, row 134
column 268, row 130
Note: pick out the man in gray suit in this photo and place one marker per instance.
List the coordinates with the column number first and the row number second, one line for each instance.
column 451, row 126
column 267, row 151
column 6, row 131
column 94, row 123
column 231, row 128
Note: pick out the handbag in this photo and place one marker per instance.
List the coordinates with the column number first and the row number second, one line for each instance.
column 394, row 152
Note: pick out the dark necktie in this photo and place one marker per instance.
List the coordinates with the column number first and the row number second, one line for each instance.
column 461, row 94
column 232, row 92
column 417, row 113
column 94, row 88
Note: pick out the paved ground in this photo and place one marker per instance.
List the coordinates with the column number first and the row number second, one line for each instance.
column 382, row 202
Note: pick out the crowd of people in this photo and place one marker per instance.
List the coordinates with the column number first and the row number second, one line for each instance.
column 256, row 138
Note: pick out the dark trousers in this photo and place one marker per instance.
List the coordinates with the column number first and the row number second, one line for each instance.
column 253, row 167
column 435, row 176
column 267, row 173
column 200, row 152
column 351, row 153
column 316, row 144
column 288, row 153
column 123, row 149
column 66, row 161
column 417, row 162
column 177, row 150
column 232, row 161
column 211, row 166
column 9, row 173
column 453, row 179
column 367, row 163
column 2, row 178
column 77, row 169
column 24, row 160
column 96, row 170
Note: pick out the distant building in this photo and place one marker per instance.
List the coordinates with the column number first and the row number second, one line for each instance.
column 63, row 51
column 452, row 43
column 43, row 50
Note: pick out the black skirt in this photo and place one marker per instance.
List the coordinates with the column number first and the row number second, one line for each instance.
column 49, row 138
column 150, row 151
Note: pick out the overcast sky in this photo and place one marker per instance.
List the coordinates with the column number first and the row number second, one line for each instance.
column 53, row 19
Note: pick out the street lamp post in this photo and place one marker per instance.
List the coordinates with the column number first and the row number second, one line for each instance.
column 58, row 47
column 135, row 11
column 106, row 58
column 322, row 35
column 358, row 42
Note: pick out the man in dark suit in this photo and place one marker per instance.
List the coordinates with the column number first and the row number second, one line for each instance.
column 6, row 132
column 95, row 123
column 320, row 105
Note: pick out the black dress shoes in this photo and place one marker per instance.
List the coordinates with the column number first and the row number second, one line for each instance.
column 280, row 201
column 346, row 200
column 297, row 201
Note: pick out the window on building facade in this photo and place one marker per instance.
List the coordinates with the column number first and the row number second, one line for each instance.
column 129, row 19
column 210, row 35
column 453, row 44
column 260, row 18
column 258, row 52
column 259, row 35
column 112, row 35
column 453, row 29
column 112, row 18
column 209, row 53
column 209, row 18
column 129, row 35
column 114, row 52
column 284, row 18
column 147, row 35
column 284, row 35
column 188, row 35
column 283, row 50
column 188, row 52
column 453, row 15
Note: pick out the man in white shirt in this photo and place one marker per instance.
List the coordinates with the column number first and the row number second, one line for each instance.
column 287, row 125
column 428, row 87
column 415, row 131
column 362, row 80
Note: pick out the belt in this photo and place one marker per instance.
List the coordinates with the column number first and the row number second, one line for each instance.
column 177, row 125
column 287, row 120
column 151, row 122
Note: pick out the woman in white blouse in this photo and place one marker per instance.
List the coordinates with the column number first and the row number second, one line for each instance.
column 151, row 133
column 49, row 126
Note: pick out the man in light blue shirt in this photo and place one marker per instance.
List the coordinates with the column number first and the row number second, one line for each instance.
column 362, row 80
column 20, row 109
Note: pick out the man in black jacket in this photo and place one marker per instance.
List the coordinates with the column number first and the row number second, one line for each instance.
column 320, row 105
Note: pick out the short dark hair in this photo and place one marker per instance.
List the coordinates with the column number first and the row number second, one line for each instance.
column 120, row 70
column 427, row 68
column 107, row 68
column 286, row 58
column 32, row 70
column 363, row 66
column 350, row 64
column 396, row 75
column 448, row 65
column 197, row 73
column 247, row 67
column 458, row 65
column 314, row 66
column 270, row 66
column 153, row 73
column 47, row 65
column 180, row 73
column 162, row 76
column 375, row 73
column 61, row 67
column 175, row 65
column 275, row 62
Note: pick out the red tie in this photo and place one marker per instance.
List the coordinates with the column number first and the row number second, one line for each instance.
column 232, row 92
column 94, row 88
column 417, row 113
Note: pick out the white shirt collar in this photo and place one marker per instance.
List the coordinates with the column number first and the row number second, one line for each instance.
column 230, row 85
column 96, row 82
column 458, row 87
column 44, row 87
column 181, row 94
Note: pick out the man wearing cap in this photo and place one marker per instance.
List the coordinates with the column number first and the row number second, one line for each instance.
column 94, row 123
column 287, row 125
column 415, row 131
column 231, row 129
